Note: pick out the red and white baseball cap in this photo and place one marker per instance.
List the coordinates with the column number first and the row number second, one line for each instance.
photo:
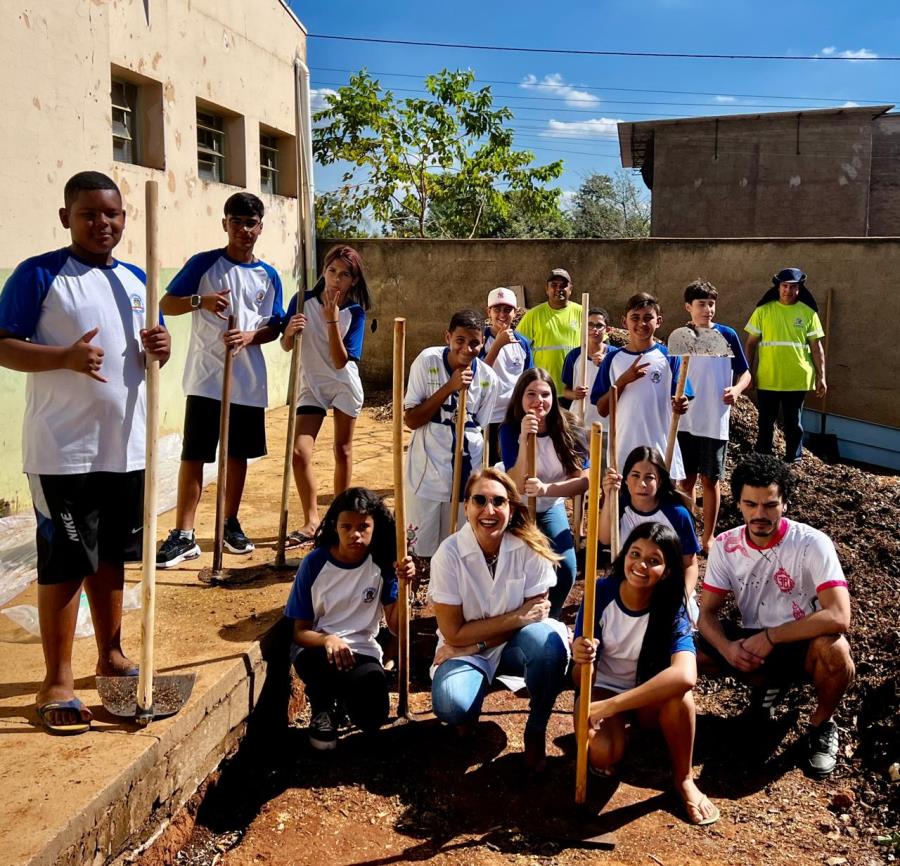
column 502, row 295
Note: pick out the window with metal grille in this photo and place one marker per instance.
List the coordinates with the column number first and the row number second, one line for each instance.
column 123, row 98
column 210, row 147
column 268, row 164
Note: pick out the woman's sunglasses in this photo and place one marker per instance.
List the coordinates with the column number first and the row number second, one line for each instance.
column 481, row 500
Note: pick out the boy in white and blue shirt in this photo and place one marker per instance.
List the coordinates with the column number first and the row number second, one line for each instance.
column 74, row 321
column 717, row 384
column 508, row 354
column 212, row 286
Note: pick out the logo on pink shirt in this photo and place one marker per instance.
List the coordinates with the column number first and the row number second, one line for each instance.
column 784, row 581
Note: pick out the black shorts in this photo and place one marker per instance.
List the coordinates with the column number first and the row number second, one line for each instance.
column 701, row 455
column 784, row 665
column 246, row 430
column 86, row 519
column 312, row 410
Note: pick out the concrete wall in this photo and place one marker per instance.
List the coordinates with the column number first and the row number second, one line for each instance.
column 884, row 196
column 58, row 59
column 425, row 281
column 765, row 177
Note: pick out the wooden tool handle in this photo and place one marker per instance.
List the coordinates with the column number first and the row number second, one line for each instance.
column 222, row 474
column 400, row 517
column 673, row 424
column 614, row 540
column 144, row 711
column 457, row 458
column 531, row 471
column 590, row 594
column 585, row 336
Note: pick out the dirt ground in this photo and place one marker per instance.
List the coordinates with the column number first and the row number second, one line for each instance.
column 416, row 793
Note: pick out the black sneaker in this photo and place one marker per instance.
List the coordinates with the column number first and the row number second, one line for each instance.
column 823, row 748
column 175, row 549
column 235, row 540
column 322, row 733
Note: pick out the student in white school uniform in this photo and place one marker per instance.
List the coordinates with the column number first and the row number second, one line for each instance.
column 489, row 584
column 561, row 467
column 573, row 367
column 209, row 287
column 645, row 375
column 333, row 326
column 73, row 320
column 436, row 377
column 339, row 595
column 508, row 354
column 644, row 662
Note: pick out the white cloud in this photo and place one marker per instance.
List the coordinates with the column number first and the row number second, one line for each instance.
column 850, row 104
column 860, row 54
column 725, row 99
column 555, row 85
column 849, row 54
column 596, row 127
column 317, row 97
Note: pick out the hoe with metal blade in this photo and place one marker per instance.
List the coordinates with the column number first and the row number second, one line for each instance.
column 146, row 697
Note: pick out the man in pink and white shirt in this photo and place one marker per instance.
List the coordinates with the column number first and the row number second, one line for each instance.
column 792, row 596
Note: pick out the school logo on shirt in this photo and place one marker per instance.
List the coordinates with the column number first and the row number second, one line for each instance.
column 798, row 322
column 369, row 595
column 783, row 580
column 655, row 376
column 137, row 303
column 260, row 295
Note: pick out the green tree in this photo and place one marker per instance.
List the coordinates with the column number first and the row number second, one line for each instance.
column 333, row 221
column 428, row 167
column 610, row 207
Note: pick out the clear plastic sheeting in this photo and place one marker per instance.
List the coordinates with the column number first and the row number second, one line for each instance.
column 26, row 615
column 18, row 556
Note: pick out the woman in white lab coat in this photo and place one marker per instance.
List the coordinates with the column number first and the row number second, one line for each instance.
column 489, row 586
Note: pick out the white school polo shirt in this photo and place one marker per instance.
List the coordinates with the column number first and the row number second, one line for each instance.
column 512, row 360
column 429, row 460
column 344, row 600
column 73, row 423
column 460, row 576
column 255, row 295
column 645, row 405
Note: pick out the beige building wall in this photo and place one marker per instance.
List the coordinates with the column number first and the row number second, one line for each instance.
column 230, row 57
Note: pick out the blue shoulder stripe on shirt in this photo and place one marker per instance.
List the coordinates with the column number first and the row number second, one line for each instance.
column 26, row 289
column 187, row 281
column 299, row 604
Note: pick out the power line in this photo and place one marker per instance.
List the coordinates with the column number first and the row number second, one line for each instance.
column 516, row 96
column 422, row 76
column 644, row 114
column 597, row 53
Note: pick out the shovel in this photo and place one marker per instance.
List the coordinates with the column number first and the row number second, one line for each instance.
column 457, row 457
column 216, row 574
column 400, row 519
column 691, row 340
column 146, row 697
column 825, row 445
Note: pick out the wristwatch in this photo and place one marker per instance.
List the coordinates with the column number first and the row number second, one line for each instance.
column 482, row 646
column 196, row 302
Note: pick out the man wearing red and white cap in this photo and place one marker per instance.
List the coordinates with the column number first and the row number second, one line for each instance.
column 554, row 328
column 508, row 353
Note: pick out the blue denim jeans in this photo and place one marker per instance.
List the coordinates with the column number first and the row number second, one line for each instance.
column 536, row 652
column 554, row 523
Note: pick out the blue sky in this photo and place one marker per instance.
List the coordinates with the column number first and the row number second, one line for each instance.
column 566, row 106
